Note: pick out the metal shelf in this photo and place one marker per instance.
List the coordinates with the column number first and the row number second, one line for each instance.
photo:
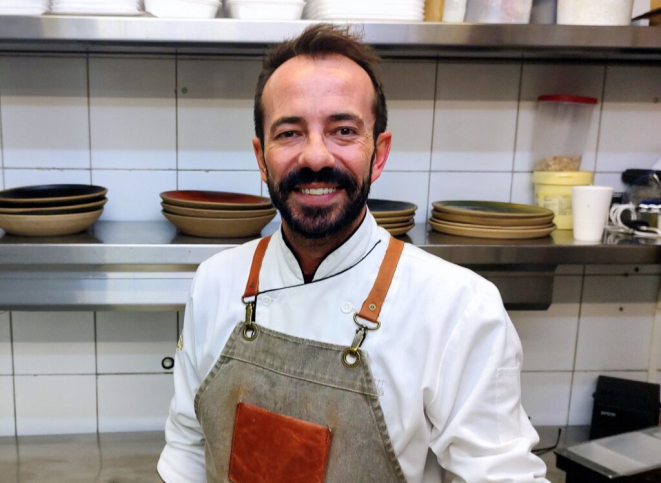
column 239, row 37
column 149, row 266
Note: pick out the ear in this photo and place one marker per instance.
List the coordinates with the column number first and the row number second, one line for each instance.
column 259, row 154
column 382, row 150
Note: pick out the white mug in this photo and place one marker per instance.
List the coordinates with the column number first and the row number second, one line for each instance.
column 590, row 206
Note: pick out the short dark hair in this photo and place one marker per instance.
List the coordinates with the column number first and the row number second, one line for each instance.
column 319, row 41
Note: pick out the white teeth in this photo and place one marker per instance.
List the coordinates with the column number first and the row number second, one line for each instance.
column 318, row 191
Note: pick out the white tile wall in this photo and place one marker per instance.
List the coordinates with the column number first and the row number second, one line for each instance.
column 27, row 177
column 616, row 316
column 475, row 116
column 5, row 344
column 584, row 385
column 522, row 189
column 134, row 402
column 470, row 186
column 549, row 337
column 610, row 179
column 55, row 404
column 545, row 397
column 240, row 181
column 541, row 79
column 7, row 424
column 130, row 342
column 133, row 195
column 631, row 119
column 53, row 342
column 410, row 113
column 133, row 113
column 215, row 103
column 405, row 187
column 43, row 105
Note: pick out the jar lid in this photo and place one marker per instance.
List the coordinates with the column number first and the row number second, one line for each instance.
column 567, row 98
column 565, row 178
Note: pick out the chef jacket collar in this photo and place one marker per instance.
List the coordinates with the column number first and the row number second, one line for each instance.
column 343, row 257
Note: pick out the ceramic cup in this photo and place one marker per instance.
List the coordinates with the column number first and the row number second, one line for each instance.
column 590, row 206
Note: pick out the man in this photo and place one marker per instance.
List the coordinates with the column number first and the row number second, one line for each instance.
column 330, row 351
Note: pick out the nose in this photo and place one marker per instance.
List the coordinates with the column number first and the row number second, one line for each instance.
column 316, row 155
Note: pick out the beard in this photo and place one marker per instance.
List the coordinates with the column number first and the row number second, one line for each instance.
column 316, row 222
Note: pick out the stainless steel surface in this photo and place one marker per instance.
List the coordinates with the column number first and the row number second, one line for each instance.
column 149, row 266
column 421, row 39
column 110, row 245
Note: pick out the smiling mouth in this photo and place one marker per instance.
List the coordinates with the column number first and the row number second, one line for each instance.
column 318, row 191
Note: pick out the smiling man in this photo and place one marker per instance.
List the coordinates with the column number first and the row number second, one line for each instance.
column 331, row 351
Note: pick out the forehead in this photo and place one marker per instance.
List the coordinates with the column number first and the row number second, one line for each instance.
column 310, row 84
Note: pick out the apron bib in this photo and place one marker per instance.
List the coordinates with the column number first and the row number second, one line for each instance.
column 281, row 409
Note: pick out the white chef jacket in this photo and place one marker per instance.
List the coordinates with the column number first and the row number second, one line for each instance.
column 446, row 360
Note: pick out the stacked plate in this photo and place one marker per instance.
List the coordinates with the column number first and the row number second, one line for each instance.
column 490, row 219
column 97, row 7
column 183, row 8
column 24, row 7
column 388, row 10
column 217, row 214
column 395, row 216
column 51, row 210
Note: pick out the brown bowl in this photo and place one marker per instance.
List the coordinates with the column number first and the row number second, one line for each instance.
column 48, row 225
column 392, row 219
column 491, row 232
column 390, row 208
column 400, row 224
column 220, row 200
column 219, row 227
column 206, row 213
column 492, row 221
column 55, row 210
column 401, row 230
column 51, row 195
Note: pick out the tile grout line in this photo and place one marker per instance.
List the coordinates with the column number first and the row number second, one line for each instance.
column 578, row 327
column 2, row 144
column 431, row 149
column 601, row 117
column 176, row 119
column 13, row 370
column 96, row 371
column 516, row 129
column 89, row 113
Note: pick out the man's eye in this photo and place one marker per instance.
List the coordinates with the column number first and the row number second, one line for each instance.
column 286, row 134
column 345, row 131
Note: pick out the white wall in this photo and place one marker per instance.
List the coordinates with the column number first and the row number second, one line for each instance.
column 462, row 130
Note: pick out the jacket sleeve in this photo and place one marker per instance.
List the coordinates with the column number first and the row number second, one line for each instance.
column 480, row 431
column 182, row 459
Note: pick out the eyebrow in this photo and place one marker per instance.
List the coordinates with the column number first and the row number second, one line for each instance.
column 286, row 120
column 345, row 116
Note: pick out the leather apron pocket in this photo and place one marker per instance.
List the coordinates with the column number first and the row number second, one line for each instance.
column 268, row 447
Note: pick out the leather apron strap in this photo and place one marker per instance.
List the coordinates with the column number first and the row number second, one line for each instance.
column 372, row 306
column 252, row 286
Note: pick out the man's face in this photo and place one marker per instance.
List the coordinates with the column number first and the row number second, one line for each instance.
column 319, row 157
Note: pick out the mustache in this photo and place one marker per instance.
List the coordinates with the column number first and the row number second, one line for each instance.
column 328, row 175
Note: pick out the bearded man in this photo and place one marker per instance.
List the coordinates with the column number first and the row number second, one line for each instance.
column 331, row 351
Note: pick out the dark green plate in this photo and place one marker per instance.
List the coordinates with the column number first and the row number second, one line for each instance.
column 492, row 209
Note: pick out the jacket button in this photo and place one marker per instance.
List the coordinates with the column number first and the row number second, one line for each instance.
column 347, row 308
column 266, row 300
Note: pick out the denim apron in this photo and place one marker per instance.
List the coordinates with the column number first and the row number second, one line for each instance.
column 301, row 382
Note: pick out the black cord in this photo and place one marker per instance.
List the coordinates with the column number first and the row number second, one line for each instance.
column 321, row 279
column 541, row 451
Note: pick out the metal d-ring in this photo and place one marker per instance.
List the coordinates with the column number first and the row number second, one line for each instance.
column 355, row 319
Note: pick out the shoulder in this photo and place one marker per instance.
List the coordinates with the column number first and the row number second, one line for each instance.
column 433, row 281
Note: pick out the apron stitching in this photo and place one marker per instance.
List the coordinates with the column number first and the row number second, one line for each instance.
column 253, row 363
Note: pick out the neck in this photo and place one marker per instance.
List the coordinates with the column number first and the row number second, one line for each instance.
column 310, row 252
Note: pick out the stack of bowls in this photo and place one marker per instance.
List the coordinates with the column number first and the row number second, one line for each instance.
column 24, row 7
column 217, row 214
column 265, row 9
column 183, row 8
column 395, row 216
column 491, row 219
column 51, row 210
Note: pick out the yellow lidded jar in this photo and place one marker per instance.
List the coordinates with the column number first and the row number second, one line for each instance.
column 553, row 191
